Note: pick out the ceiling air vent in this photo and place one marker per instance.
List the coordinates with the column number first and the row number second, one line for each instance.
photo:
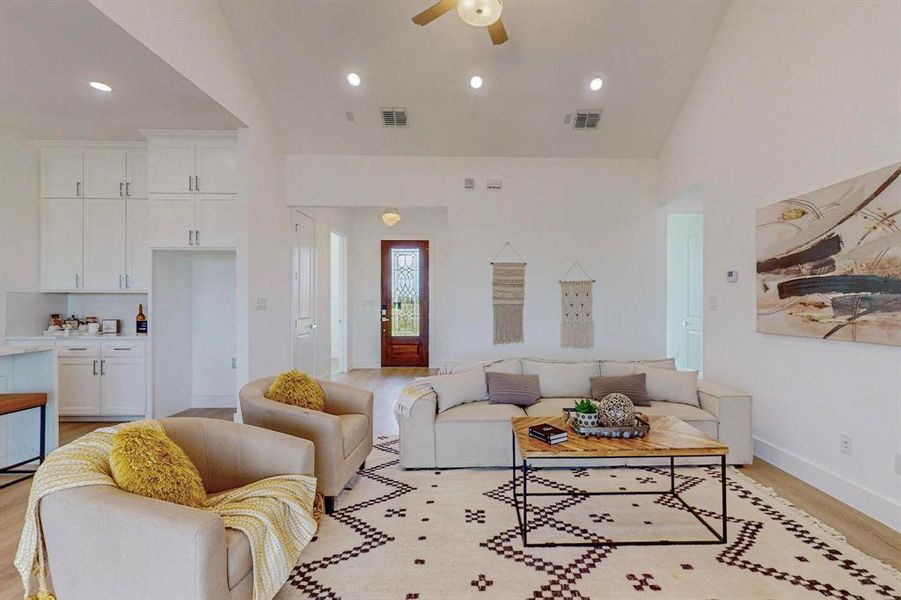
column 494, row 184
column 587, row 119
column 394, row 117
column 469, row 183
column 350, row 116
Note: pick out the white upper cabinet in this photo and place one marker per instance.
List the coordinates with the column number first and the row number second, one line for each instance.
column 62, row 172
column 171, row 166
column 172, row 220
column 137, row 236
column 217, row 167
column 104, row 173
column 104, row 244
column 62, row 232
column 217, row 221
column 136, row 173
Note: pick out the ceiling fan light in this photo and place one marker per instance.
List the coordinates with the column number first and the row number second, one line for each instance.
column 479, row 13
column 391, row 217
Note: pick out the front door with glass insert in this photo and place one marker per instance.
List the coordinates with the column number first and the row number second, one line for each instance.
column 405, row 303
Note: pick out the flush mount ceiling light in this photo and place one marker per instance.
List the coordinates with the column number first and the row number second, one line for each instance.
column 475, row 82
column 478, row 13
column 98, row 85
column 353, row 79
column 391, row 217
column 596, row 84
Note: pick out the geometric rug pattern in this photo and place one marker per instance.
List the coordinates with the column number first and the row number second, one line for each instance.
column 453, row 533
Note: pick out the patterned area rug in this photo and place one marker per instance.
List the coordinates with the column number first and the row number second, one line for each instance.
column 454, row 534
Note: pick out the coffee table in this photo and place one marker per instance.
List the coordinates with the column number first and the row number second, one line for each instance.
column 669, row 437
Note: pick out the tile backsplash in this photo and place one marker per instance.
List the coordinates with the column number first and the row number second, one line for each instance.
column 28, row 313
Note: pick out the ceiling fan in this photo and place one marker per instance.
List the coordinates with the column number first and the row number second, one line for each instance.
column 478, row 13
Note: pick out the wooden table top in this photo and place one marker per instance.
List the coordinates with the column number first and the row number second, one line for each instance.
column 669, row 436
column 10, row 403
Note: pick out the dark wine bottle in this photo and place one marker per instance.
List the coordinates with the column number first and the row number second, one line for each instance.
column 141, row 321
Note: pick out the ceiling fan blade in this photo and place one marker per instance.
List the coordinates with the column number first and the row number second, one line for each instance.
column 497, row 32
column 435, row 11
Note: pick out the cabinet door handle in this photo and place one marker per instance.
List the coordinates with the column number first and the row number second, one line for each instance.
column 197, row 183
column 127, row 285
column 196, row 237
column 102, row 363
column 95, row 367
column 190, row 183
column 120, row 281
column 78, row 189
column 128, row 188
column 122, row 189
column 77, row 281
column 190, row 237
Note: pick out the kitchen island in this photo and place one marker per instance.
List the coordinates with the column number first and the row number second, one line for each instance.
column 28, row 369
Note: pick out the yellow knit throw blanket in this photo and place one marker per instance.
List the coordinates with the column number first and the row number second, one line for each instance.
column 276, row 514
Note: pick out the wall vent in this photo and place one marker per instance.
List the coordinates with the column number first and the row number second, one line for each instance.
column 587, row 119
column 469, row 183
column 494, row 184
column 350, row 116
column 394, row 117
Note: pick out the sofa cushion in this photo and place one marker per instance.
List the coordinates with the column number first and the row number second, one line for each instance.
column 633, row 386
column 671, row 386
column 507, row 365
column 559, row 378
column 452, row 390
column 479, row 411
column 239, row 561
column 353, row 430
column 550, row 407
column 510, row 388
column 297, row 389
column 614, row 368
column 476, row 434
column 504, row 365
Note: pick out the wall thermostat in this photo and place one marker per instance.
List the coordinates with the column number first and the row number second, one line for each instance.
column 732, row 276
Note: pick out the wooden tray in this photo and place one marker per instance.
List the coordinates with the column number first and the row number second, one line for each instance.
column 640, row 428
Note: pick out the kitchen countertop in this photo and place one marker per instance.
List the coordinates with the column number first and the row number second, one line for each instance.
column 82, row 337
column 16, row 350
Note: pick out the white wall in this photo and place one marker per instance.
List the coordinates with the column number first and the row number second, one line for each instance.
column 20, row 209
column 795, row 96
column 603, row 213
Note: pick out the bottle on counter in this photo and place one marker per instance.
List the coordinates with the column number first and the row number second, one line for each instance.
column 141, row 321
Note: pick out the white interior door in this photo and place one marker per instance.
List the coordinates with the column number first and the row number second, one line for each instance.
column 304, row 294
column 338, row 298
column 62, row 232
column 104, row 244
column 685, row 290
column 104, row 173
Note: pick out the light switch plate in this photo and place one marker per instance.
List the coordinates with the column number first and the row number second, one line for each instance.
column 260, row 303
column 714, row 303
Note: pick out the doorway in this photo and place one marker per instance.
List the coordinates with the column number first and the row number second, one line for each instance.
column 303, row 297
column 685, row 289
column 405, row 303
column 338, row 300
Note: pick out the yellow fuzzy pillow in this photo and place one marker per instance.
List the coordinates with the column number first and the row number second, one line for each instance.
column 297, row 389
column 144, row 461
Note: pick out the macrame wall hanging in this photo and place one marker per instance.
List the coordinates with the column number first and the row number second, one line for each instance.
column 508, row 294
column 577, row 304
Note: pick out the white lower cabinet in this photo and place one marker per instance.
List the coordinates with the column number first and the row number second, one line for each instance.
column 79, row 386
column 102, row 379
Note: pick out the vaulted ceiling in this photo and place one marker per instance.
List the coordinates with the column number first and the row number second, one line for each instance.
column 647, row 52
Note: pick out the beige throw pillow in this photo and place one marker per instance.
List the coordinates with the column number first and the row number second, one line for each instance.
column 459, row 388
column 563, row 379
column 671, row 386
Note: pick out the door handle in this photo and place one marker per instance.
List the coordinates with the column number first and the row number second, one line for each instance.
column 684, row 323
column 190, row 183
column 190, row 237
column 196, row 237
column 120, row 281
column 385, row 319
column 127, row 285
column 128, row 188
column 122, row 189
column 313, row 326
column 78, row 188
column 95, row 368
column 102, row 363
column 197, row 183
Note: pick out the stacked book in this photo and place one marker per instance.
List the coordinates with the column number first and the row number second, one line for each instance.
column 547, row 433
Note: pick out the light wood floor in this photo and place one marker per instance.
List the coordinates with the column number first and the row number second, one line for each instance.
column 868, row 535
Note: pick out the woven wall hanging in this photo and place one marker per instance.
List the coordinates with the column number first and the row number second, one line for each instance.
column 508, row 295
column 577, row 309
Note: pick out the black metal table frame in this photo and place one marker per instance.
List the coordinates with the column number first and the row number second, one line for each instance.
column 522, row 514
column 27, row 473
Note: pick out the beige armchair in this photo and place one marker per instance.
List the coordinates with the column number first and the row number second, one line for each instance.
column 104, row 543
column 342, row 434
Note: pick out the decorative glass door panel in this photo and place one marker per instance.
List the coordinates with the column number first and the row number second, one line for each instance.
column 404, row 311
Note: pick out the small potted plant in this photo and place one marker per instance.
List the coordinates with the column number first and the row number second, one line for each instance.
column 586, row 413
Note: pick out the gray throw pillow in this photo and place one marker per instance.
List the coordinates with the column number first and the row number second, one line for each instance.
column 509, row 388
column 632, row 386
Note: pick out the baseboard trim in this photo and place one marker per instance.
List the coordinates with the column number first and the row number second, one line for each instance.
column 214, row 401
column 367, row 364
column 867, row 501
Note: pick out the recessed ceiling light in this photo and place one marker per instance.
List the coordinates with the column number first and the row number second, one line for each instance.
column 97, row 85
column 353, row 79
column 596, row 84
column 475, row 82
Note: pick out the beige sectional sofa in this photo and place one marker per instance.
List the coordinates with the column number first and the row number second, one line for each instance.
column 477, row 433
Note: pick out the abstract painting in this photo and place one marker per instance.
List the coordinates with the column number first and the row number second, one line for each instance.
column 829, row 262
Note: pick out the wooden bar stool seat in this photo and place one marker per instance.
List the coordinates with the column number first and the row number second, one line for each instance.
column 17, row 402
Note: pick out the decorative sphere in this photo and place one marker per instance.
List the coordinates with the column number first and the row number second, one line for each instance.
column 616, row 410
